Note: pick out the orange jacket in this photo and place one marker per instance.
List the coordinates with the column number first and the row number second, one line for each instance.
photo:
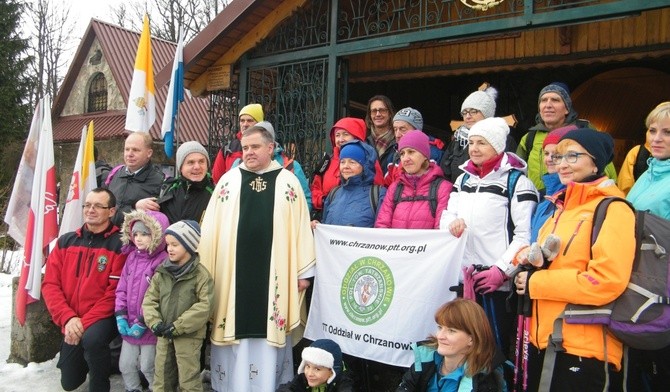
column 577, row 277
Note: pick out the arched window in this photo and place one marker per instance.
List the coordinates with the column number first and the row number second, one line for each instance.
column 97, row 94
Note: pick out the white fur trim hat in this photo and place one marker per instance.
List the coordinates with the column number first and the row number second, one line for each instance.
column 494, row 130
column 325, row 353
column 484, row 101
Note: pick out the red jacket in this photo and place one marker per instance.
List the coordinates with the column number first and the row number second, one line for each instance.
column 81, row 276
column 224, row 160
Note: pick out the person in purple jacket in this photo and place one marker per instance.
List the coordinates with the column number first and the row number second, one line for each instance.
column 142, row 235
column 416, row 199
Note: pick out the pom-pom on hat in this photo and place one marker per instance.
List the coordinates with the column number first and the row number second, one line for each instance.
column 560, row 89
column 416, row 140
column 494, row 130
column 254, row 110
column 411, row 116
column 187, row 232
column 599, row 144
column 555, row 136
column 353, row 150
column 482, row 100
column 325, row 353
column 188, row 148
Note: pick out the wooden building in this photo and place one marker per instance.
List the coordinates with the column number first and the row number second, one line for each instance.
column 312, row 62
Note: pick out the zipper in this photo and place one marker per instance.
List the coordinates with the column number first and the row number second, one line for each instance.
column 572, row 237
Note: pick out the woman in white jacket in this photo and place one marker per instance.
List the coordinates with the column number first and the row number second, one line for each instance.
column 496, row 218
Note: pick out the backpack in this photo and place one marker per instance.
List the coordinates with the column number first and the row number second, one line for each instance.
column 512, row 179
column 374, row 196
column 641, row 164
column 432, row 195
column 640, row 316
column 111, row 174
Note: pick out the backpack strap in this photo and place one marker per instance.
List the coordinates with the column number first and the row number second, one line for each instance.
column 599, row 216
column 331, row 194
column 641, row 165
column 374, row 198
column 111, row 174
column 432, row 194
column 397, row 195
column 530, row 138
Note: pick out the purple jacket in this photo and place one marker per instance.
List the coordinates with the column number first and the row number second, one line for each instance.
column 414, row 214
column 140, row 267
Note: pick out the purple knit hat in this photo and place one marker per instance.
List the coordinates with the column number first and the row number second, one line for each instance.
column 416, row 140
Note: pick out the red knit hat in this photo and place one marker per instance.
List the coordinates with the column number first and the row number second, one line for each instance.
column 554, row 136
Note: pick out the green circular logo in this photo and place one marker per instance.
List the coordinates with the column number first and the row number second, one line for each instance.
column 367, row 290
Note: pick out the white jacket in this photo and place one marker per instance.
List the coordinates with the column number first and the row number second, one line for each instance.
column 483, row 204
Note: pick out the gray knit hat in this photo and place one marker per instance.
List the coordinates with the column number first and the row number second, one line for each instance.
column 411, row 116
column 187, row 232
column 188, row 148
column 484, row 101
column 268, row 127
column 140, row 227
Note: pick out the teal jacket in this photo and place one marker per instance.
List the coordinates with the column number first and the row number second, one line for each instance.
column 650, row 192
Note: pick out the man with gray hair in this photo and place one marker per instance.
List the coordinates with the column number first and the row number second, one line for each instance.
column 258, row 245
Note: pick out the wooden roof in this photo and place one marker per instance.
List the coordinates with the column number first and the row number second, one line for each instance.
column 119, row 47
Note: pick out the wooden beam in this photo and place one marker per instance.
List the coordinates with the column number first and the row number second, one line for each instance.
column 249, row 41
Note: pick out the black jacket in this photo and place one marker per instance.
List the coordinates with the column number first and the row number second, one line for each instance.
column 183, row 199
column 129, row 188
column 342, row 383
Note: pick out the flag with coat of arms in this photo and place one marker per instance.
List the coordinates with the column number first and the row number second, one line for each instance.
column 141, row 113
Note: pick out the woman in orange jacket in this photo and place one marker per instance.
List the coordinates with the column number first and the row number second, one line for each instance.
column 581, row 272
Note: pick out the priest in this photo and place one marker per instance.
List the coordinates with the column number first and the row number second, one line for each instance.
column 258, row 246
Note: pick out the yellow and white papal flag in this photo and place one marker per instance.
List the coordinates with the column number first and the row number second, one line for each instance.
column 141, row 113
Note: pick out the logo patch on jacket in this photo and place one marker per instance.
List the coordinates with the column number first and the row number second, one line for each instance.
column 102, row 263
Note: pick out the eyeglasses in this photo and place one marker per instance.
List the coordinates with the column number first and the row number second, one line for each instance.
column 471, row 112
column 379, row 111
column 570, row 157
column 96, row 207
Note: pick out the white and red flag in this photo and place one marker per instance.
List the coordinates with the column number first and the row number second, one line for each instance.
column 33, row 222
column 83, row 181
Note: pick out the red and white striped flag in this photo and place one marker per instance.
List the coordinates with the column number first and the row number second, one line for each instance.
column 37, row 168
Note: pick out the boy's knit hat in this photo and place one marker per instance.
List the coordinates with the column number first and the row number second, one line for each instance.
column 325, row 353
column 353, row 150
column 140, row 227
column 416, row 140
column 484, row 101
column 187, row 232
column 599, row 144
column 254, row 110
column 411, row 116
column 560, row 89
column 494, row 130
column 188, row 148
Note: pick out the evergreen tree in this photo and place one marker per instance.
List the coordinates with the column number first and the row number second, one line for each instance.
column 15, row 87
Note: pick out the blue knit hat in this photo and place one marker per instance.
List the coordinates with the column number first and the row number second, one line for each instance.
column 325, row 353
column 187, row 232
column 560, row 89
column 599, row 144
column 353, row 150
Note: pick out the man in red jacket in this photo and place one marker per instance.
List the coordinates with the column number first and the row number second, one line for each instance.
column 79, row 290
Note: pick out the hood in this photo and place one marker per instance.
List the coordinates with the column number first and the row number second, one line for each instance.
column 658, row 168
column 578, row 193
column 368, row 175
column 355, row 126
column 156, row 221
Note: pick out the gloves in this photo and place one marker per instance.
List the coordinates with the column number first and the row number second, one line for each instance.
column 489, row 280
column 137, row 330
column 468, row 282
column 542, row 256
column 122, row 325
column 164, row 330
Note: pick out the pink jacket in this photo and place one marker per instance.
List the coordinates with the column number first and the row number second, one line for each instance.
column 414, row 214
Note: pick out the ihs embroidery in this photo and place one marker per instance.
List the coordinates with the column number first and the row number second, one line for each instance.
column 259, row 184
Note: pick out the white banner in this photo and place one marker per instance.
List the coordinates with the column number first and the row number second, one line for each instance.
column 376, row 290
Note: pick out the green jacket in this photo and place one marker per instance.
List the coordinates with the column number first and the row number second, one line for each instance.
column 535, row 158
column 186, row 302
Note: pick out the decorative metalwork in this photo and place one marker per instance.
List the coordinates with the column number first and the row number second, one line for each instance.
column 482, row 5
column 308, row 28
column 364, row 19
column 540, row 6
column 223, row 124
column 294, row 97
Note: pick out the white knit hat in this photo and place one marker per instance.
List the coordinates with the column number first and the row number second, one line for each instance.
column 494, row 130
column 188, row 148
column 484, row 101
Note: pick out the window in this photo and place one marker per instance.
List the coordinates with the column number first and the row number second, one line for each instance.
column 97, row 94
